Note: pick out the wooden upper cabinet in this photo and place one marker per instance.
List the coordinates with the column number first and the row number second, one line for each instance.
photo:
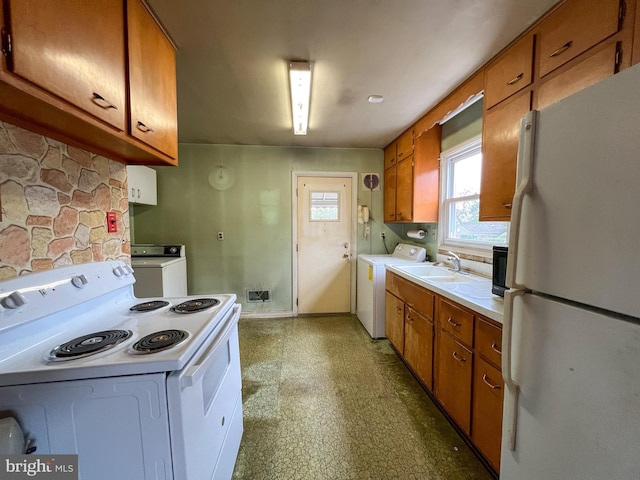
column 510, row 73
column 500, row 134
column 411, row 189
column 573, row 28
column 404, row 144
column 390, row 155
column 152, row 77
column 404, row 190
column 74, row 50
column 426, row 175
column 588, row 71
column 390, row 194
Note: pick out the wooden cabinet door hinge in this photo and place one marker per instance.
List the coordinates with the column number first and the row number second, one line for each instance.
column 6, row 43
column 622, row 11
column 618, row 60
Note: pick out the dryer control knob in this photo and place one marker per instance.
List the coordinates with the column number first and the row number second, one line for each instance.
column 14, row 300
column 79, row 281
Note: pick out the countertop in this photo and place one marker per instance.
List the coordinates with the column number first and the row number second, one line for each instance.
column 474, row 293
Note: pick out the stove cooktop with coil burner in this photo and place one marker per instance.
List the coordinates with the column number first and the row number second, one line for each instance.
column 46, row 310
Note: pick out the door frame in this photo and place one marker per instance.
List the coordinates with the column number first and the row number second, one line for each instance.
column 294, row 231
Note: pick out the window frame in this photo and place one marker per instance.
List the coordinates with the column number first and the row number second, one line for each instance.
column 448, row 158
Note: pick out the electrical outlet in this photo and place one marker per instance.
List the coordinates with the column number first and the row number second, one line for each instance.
column 220, row 235
column 382, row 236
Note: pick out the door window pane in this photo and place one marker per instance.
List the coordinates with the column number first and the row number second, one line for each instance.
column 325, row 207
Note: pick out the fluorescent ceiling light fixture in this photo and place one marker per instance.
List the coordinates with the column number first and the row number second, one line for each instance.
column 300, row 84
column 375, row 98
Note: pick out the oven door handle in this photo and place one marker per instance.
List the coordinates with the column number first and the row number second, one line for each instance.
column 192, row 374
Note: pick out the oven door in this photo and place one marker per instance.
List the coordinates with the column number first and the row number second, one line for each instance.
column 205, row 407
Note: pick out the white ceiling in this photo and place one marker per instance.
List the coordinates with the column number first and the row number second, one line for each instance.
column 233, row 54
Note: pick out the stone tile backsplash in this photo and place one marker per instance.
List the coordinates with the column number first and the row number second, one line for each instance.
column 54, row 200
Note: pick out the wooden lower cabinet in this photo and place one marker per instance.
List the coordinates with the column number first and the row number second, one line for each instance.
column 394, row 321
column 455, row 375
column 456, row 355
column 486, row 426
column 418, row 345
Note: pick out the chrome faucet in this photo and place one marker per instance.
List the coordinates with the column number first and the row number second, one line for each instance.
column 455, row 259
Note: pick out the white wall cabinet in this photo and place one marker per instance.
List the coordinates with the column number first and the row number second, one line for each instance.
column 142, row 185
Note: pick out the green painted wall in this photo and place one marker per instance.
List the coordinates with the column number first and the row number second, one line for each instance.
column 467, row 124
column 254, row 214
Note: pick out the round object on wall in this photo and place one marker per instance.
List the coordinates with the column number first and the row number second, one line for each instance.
column 222, row 178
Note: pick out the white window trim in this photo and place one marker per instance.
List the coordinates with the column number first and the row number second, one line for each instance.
column 460, row 246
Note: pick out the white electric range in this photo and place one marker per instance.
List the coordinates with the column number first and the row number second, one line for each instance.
column 87, row 368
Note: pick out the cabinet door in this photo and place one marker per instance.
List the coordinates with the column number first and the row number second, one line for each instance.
column 142, row 185
column 486, row 432
column 152, row 82
column 75, row 50
column 404, row 144
column 404, row 190
column 426, row 175
column 455, row 372
column 595, row 67
column 394, row 321
column 418, row 345
column 510, row 73
column 390, row 155
column 390, row 194
column 500, row 131
column 574, row 28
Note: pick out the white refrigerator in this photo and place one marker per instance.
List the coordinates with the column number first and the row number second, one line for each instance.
column 571, row 338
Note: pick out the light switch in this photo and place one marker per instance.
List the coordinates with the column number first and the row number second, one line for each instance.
column 112, row 225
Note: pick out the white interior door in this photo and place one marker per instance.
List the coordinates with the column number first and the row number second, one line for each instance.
column 324, row 224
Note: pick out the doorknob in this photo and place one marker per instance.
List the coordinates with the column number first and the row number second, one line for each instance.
column 346, row 255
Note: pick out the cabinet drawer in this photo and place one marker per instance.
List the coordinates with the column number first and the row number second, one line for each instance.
column 416, row 297
column 486, row 429
column 405, row 145
column 390, row 155
column 455, row 373
column 588, row 71
column 574, row 28
column 510, row 73
column 489, row 341
column 456, row 321
column 419, row 299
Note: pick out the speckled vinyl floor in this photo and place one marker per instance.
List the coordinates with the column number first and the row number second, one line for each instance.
column 322, row 400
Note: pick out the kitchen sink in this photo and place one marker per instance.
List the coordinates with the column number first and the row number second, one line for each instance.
column 426, row 271
column 435, row 274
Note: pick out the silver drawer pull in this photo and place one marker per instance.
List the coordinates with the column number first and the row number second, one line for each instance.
column 460, row 359
column 495, row 348
column 484, row 379
column 450, row 320
column 143, row 128
column 102, row 102
column 506, row 205
column 516, row 79
column 562, row 49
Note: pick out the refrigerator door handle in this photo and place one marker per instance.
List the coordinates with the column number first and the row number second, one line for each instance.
column 525, row 181
column 512, row 392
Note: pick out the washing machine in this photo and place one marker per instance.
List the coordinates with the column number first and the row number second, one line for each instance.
column 370, row 301
column 160, row 270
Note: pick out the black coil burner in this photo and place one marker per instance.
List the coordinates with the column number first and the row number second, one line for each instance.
column 158, row 341
column 195, row 305
column 89, row 344
column 149, row 306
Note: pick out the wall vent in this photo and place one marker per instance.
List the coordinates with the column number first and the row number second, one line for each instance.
column 254, row 296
